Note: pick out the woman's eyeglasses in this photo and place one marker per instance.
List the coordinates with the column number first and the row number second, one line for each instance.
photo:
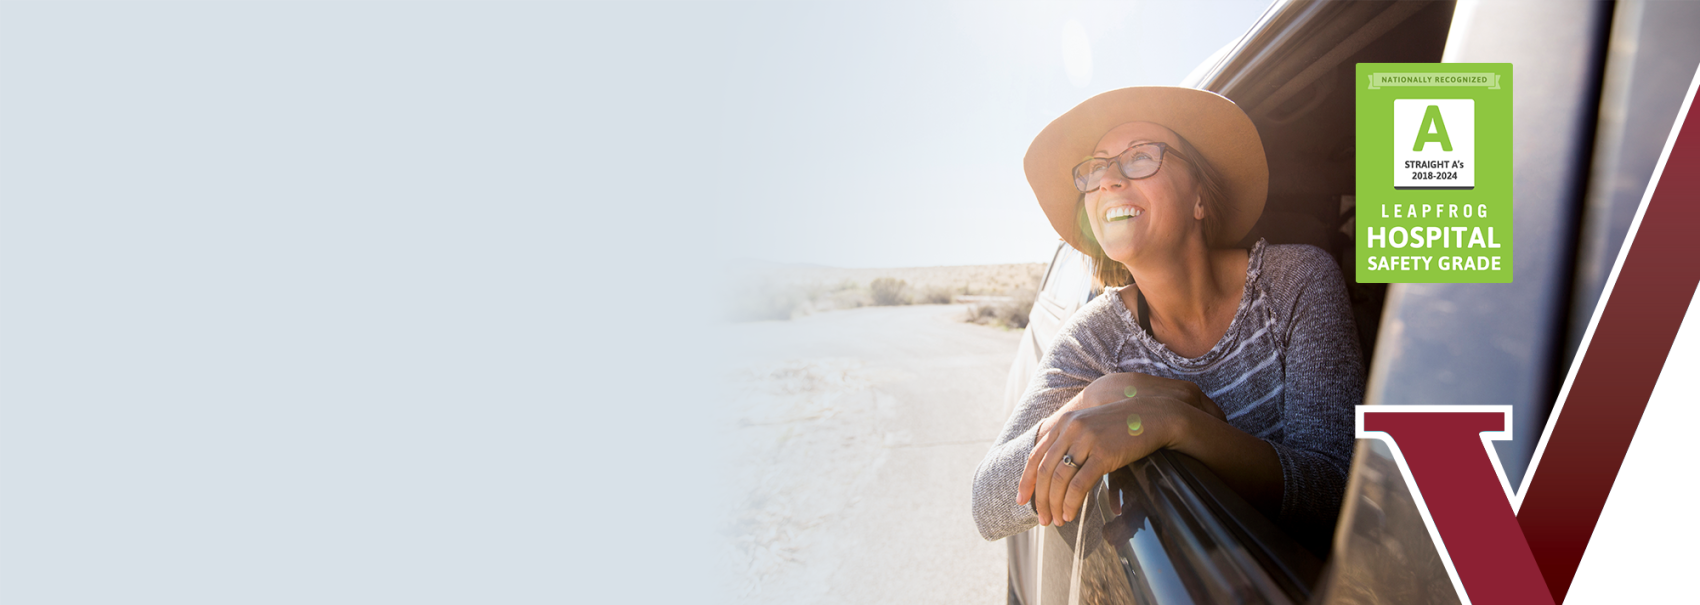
column 1141, row 160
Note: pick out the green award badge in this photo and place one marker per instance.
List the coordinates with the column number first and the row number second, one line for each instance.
column 1434, row 179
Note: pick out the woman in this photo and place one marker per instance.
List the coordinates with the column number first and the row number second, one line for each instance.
column 1246, row 360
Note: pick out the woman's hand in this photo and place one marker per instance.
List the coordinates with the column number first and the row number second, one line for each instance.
column 1160, row 405
column 1098, row 439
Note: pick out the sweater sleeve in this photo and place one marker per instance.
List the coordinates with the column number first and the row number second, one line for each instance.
column 1083, row 351
column 1324, row 382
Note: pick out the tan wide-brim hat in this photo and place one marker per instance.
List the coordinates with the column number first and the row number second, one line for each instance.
column 1215, row 126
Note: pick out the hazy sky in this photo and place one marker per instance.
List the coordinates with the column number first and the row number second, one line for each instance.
column 892, row 134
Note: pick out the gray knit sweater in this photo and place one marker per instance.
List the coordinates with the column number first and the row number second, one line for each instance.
column 1288, row 371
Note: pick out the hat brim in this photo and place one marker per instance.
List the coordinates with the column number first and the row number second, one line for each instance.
column 1215, row 126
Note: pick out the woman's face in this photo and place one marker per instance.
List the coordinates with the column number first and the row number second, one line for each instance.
column 1156, row 214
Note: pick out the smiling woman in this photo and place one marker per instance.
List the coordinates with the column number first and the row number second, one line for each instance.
column 1146, row 156
column 1246, row 360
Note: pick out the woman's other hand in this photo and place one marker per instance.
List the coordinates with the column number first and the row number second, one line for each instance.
column 1098, row 439
column 1160, row 395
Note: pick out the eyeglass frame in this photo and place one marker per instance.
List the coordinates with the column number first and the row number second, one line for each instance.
column 1162, row 152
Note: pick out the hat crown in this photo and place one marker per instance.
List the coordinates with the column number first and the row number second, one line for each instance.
column 1221, row 132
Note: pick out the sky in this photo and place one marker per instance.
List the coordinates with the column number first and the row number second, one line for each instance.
column 891, row 134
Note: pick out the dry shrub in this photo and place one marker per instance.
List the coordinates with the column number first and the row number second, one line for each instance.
column 766, row 300
column 846, row 295
column 889, row 291
column 1010, row 313
column 935, row 295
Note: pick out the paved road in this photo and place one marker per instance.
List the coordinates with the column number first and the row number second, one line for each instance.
column 858, row 435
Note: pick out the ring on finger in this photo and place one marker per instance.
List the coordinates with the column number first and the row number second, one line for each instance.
column 1069, row 460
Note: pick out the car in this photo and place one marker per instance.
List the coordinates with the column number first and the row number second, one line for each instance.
column 1598, row 87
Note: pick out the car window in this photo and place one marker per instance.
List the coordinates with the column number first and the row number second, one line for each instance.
column 1070, row 281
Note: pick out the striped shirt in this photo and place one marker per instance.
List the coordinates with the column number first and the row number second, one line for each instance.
column 1287, row 371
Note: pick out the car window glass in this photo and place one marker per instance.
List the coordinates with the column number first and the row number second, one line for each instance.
column 1070, row 282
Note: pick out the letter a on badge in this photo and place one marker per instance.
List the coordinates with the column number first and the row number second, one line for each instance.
column 1433, row 130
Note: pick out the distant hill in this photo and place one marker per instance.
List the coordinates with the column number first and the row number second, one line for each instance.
column 769, row 290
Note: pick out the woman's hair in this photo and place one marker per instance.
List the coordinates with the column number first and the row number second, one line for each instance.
column 1211, row 187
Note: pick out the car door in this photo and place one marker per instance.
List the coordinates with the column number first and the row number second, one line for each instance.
column 1066, row 286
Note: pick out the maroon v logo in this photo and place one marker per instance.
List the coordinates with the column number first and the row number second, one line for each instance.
column 1464, row 495
column 1501, row 548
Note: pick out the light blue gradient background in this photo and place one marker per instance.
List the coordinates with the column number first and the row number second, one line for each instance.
column 412, row 302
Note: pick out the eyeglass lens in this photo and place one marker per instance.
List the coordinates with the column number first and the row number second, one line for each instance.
column 1138, row 162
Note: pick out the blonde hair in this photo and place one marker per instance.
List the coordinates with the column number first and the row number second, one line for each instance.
column 1212, row 189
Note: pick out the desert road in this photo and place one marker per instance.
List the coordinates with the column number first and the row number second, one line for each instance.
column 857, row 436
